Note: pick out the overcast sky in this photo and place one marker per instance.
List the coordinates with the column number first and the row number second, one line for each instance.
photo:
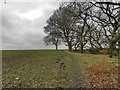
column 22, row 24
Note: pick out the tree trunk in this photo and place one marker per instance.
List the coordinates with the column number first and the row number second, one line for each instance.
column 111, row 51
column 119, row 50
column 82, row 49
column 70, row 47
column 56, row 47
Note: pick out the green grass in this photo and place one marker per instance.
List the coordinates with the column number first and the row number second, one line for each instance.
column 53, row 69
column 35, row 69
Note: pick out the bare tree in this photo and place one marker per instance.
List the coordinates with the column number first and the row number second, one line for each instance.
column 109, row 21
column 63, row 21
column 53, row 35
column 79, row 26
column 81, row 10
column 52, row 39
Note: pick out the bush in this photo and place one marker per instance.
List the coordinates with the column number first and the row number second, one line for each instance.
column 94, row 51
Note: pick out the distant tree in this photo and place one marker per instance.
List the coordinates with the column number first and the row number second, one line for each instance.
column 50, row 39
column 96, row 37
column 62, row 19
column 53, row 36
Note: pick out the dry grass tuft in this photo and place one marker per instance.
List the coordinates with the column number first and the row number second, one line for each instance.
column 102, row 76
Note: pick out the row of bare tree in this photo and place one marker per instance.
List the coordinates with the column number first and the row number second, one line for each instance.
column 85, row 25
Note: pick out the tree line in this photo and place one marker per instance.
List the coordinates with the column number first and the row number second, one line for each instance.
column 85, row 25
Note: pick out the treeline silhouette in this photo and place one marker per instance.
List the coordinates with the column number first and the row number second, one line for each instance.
column 91, row 26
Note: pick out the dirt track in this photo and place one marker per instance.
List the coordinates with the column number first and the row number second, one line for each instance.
column 75, row 80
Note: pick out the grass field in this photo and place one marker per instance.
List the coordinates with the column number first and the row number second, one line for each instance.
column 54, row 69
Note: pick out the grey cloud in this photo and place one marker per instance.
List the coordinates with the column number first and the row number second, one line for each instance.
column 22, row 33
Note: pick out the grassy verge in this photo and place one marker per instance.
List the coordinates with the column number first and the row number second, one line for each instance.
column 98, row 71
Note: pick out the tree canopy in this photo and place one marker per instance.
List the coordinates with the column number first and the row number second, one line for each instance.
column 85, row 25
